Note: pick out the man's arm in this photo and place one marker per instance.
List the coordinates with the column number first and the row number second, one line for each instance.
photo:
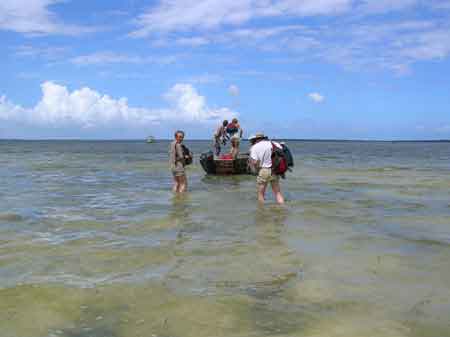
column 253, row 163
column 180, row 154
column 172, row 155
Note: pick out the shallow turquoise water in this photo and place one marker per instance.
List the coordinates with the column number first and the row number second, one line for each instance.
column 93, row 243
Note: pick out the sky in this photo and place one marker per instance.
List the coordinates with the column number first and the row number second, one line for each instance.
column 309, row 69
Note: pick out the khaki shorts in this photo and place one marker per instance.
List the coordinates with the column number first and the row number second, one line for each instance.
column 265, row 176
column 178, row 170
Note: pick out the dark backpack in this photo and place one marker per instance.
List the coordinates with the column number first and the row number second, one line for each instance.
column 288, row 155
column 279, row 161
column 186, row 154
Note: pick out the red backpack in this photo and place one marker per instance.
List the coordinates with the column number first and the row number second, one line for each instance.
column 279, row 162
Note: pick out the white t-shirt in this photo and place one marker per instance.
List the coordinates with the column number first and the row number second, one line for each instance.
column 262, row 151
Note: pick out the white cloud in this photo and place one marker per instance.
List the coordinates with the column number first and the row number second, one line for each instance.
column 392, row 46
column 26, row 16
column 316, row 97
column 34, row 17
column 110, row 57
column 428, row 45
column 192, row 41
column 255, row 37
column 384, row 6
column 441, row 130
column 366, row 35
column 205, row 79
column 10, row 111
column 189, row 105
column 274, row 76
column 444, row 129
column 441, row 4
column 234, row 90
column 185, row 15
column 87, row 108
column 305, row 7
column 262, row 33
column 49, row 53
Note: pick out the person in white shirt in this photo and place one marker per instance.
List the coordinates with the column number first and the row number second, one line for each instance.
column 261, row 161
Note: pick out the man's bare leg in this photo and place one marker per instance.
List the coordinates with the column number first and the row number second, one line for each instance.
column 261, row 192
column 277, row 192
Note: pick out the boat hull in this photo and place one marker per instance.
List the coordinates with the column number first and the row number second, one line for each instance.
column 217, row 166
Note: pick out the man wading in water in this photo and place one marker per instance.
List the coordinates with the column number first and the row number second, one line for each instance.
column 261, row 161
column 178, row 159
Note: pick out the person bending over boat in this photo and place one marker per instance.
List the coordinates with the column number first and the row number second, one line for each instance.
column 177, row 161
column 234, row 129
column 220, row 137
column 261, row 161
column 235, row 132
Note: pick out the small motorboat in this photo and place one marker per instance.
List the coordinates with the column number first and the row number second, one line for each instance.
column 150, row 139
column 224, row 165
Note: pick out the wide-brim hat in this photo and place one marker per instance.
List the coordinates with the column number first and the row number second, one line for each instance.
column 258, row 135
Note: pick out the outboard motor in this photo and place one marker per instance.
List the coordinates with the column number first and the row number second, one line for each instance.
column 207, row 162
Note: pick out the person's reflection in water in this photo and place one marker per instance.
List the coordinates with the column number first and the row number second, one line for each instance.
column 181, row 217
column 276, row 269
column 179, row 274
column 179, row 213
column 270, row 223
column 231, row 182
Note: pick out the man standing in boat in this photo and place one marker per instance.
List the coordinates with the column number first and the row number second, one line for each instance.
column 220, row 137
column 261, row 161
column 178, row 160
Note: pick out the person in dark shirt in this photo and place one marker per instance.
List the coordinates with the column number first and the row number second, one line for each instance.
column 220, row 137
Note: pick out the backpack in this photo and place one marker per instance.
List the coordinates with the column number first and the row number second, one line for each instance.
column 186, row 154
column 288, row 155
column 279, row 161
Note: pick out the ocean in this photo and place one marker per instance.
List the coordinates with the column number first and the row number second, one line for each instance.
column 93, row 243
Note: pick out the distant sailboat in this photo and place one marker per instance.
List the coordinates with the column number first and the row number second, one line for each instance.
column 150, row 139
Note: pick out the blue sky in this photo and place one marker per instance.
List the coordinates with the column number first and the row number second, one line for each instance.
column 359, row 69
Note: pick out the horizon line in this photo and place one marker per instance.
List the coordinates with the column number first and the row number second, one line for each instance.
column 207, row 139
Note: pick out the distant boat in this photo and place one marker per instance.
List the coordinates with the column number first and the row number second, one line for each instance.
column 150, row 139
